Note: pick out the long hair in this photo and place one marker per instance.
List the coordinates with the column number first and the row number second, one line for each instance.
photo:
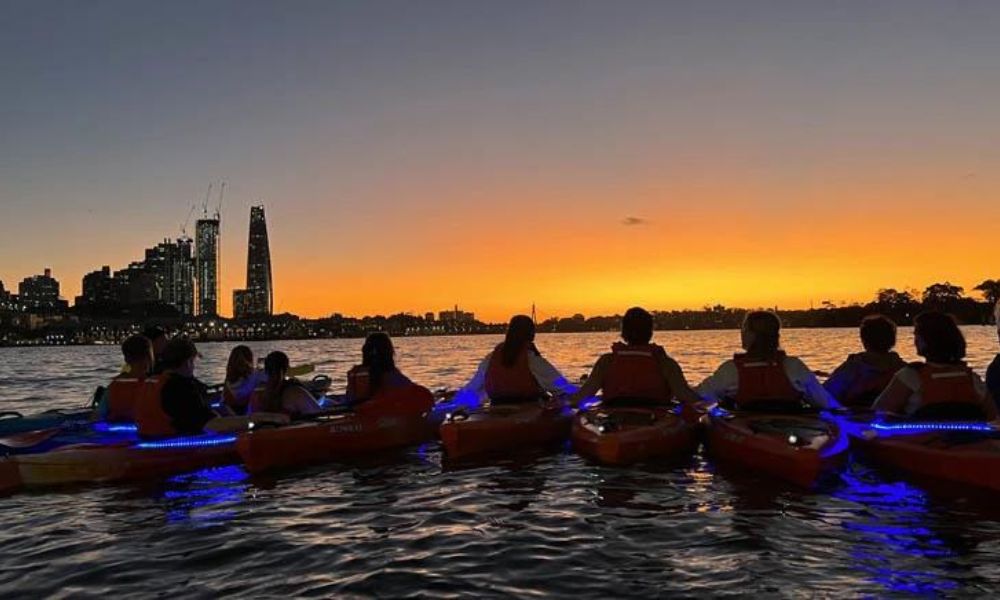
column 520, row 335
column 378, row 356
column 766, row 329
column 240, row 364
column 276, row 367
column 943, row 340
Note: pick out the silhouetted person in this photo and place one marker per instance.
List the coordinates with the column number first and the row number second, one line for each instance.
column 158, row 338
column 863, row 376
column 637, row 371
column 764, row 377
column 942, row 387
column 283, row 394
column 515, row 371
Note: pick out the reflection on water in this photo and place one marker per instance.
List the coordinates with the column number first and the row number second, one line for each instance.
column 551, row 523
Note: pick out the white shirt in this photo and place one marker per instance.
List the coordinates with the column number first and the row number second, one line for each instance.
column 725, row 382
column 910, row 377
column 545, row 374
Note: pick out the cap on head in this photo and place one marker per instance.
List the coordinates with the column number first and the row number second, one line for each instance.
column 178, row 351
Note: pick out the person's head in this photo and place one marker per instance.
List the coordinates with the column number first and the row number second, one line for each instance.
column 378, row 355
column 178, row 356
column 520, row 333
column 761, row 333
column 938, row 338
column 138, row 353
column 637, row 326
column 240, row 364
column 878, row 333
column 276, row 368
column 157, row 338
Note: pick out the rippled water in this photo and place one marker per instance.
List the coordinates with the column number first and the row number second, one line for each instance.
column 402, row 525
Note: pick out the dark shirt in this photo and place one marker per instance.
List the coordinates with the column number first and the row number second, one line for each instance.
column 185, row 400
column 993, row 379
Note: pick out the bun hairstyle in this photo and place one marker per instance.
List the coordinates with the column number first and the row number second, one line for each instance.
column 276, row 367
column 766, row 329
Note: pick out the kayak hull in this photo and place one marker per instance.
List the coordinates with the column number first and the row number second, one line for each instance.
column 123, row 461
column 10, row 476
column 339, row 437
column 938, row 457
column 504, row 428
column 623, row 436
column 773, row 445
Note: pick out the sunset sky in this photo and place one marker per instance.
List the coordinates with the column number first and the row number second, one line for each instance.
column 584, row 156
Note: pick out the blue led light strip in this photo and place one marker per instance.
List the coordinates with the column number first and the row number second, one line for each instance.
column 929, row 427
column 188, row 442
column 103, row 427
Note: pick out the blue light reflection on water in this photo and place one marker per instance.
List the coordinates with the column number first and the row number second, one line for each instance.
column 896, row 547
column 206, row 496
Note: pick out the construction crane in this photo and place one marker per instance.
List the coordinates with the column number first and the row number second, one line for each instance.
column 187, row 220
column 222, row 192
column 204, row 206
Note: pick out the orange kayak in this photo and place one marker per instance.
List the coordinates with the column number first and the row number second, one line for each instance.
column 800, row 449
column 963, row 457
column 332, row 438
column 504, row 427
column 123, row 460
column 626, row 435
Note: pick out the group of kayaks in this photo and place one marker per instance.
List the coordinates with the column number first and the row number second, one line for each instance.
column 802, row 448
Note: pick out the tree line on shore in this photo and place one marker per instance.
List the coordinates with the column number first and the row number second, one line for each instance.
column 898, row 304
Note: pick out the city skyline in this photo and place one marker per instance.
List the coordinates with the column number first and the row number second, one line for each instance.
column 580, row 156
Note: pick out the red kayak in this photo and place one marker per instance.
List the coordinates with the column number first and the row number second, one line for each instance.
column 504, row 427
column 620, row 435
column 334, row 437
column 798, row 448
column 122, row 460
column 965, row 457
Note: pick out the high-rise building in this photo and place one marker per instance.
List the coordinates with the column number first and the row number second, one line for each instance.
column 207, row 265
column 258, row 297
column 40, row 292
column 98, row 289
column 172, row 265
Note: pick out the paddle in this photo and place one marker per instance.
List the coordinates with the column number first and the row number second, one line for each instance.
column 28, row 439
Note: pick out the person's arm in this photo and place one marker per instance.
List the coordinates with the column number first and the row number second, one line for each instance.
column 674, row 375
column 594, row 383
column 548, row 376
column 894, row 397
column 474, row 392
column 815, row 394
column 721, row 384
column 296, row 400
column 840, row 380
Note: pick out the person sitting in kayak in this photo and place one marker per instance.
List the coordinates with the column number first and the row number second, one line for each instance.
column 377, row 385
column 158, row 338
column 177, row 403
column 637, row 371
column 126, row 388
column 863, row 376
column 515, row 371
column 993, row 371
column 942, row 387
column 283, row 394
column 764, row 377
column 243, row 380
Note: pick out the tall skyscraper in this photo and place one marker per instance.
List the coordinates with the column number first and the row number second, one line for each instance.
column 258, row 297
column 172, row 265
column 207, row 265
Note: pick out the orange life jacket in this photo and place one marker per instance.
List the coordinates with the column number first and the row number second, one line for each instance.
column 124, row 393
column 763, row 381
column 868, row 384
column 514, row 381
column 635, row 373
column 359, row 383
column 408, row 399
column 947, row 385
column 150, row 417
